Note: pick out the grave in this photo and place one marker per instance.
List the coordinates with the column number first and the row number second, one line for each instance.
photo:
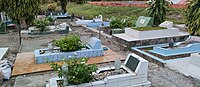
column 63, row 28
column 188, row 66
column 132, row 37
column 162, row 53
column 136, row 76
column 60, row 16
column 93, row 49
column 177, row 49
column 3, row 52
column 96, row 22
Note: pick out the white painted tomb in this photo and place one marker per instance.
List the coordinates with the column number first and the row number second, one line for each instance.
column 136, row 76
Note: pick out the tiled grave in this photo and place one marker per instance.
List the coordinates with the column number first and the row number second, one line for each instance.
column 25, row 62
column 160, row 53
column 96, row 22
column 61, row 16
column 93, row 49
column 136, row 76
column 3, row 52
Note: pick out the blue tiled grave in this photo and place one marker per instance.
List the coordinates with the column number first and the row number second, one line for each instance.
column 161, row 54
column 94, row 49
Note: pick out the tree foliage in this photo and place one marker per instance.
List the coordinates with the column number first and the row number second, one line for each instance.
column 193, row 17
column 158, row 10
column 20, row 9
column 63, row 5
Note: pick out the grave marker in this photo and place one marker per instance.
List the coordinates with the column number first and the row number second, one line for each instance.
column 144, row 21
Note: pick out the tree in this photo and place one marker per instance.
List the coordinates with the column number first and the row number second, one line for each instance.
column 158, row 10
column 193, row 17
column 20, row 10
column 63, row 5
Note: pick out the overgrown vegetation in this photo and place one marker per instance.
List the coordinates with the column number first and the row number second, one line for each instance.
column 71, row 42
column 78, row 71
column 149, row 28
column 193, row 17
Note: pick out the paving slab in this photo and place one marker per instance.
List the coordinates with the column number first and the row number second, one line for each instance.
column 184, row 66
column 3, row 51
column 33, row 81
column 25, row 62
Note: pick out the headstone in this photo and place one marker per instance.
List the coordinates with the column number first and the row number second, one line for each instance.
column 117, row 65
column 144, row 21
column 50, row 47
column 65, row 70
column 132, row 63
column 171, row 43
column 94, row 43
column 166, row 24
column 137, row 64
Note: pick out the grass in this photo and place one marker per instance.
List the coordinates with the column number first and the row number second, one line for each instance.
column 90, row 11
column 149, row 28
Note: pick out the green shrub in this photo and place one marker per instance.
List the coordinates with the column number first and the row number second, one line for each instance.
column 41, row 24
column 121, row 22
column 116, row 23
column 69, row 43
column 78, row 71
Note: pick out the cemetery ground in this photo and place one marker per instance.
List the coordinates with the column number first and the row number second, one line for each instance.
column 159, row 76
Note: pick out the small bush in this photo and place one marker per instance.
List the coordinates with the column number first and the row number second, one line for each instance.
column 122, row 22
column 69, row 43
column 41, row 24
column 116, row 23
column 78, row 71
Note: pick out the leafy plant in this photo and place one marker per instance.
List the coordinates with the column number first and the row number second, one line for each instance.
column 158, row 10
column 78, row 71
column 193, row 17
column 69, row 43
column 122, row 22
column 116, row 23
column 41, row 23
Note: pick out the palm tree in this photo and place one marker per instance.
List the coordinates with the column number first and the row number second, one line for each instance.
column 158, row 10
column 193, row 17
